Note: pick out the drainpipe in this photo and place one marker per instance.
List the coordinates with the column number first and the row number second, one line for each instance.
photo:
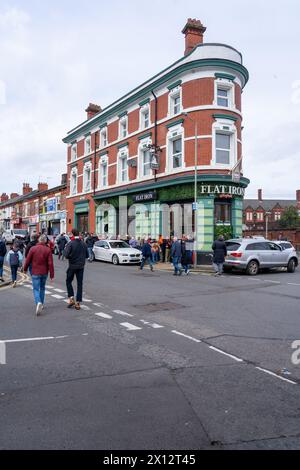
column 155, row 130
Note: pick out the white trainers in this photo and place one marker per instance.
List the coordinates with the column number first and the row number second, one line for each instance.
column 39, row 308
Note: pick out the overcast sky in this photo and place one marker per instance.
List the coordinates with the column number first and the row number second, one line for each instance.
column 57, row 56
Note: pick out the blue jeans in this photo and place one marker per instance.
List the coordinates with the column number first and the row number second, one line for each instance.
column 218, row 267
column 155, row 257
column 14, row 272
column 90, row 250
column 1, row 265
column 149, row 261
column 176, row 262
column 39, row 285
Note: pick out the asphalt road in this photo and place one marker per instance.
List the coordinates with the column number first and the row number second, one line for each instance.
column 153, row 361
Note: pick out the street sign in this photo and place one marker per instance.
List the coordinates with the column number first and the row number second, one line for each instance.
column 195, row 206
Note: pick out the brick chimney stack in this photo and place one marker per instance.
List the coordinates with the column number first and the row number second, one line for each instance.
column 4, row 197
column 193, row 32
column 14, row 195
column 92, row 110
column 26, row 189
column 259, row 196
column 42, row 187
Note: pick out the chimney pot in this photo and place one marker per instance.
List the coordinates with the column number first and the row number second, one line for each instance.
column 4, row 197
column 42, row 187
column 92, row 110
column 193, row 31
column 26, row 188
column 260, row 198
column 13, row 195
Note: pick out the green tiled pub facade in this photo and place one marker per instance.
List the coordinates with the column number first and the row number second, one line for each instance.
column 219, row 210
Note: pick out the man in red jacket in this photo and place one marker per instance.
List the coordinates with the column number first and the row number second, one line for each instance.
column 41, row 259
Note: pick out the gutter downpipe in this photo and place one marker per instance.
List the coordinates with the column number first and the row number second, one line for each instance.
column 155, row 130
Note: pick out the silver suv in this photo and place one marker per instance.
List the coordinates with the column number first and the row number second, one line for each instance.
column 251, row 255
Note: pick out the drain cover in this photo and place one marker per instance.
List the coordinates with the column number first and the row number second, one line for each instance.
column 157, row 307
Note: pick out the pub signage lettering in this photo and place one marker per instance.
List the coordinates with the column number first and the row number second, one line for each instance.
column 151, row 196
column 221, row 189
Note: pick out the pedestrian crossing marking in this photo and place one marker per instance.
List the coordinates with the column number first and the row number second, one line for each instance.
column 153, row 325
column 87, row 300
column 60, row 291
column 85, row 307
column 57, row 296
column 130, row 327
column 125, row 314
column 104, row 315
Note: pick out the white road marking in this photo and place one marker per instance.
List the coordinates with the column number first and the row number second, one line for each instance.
column 22, row 340
column 86, row 300
column 48, row 292
column 98, row 304
column 292, row 284
column 60, row 291
column 273, row 282
column 125, row 314
column 186, row 336
column 103, row 315
column 226, row 354
column 28, row 285
column 153, row 325
column 276, row 375
column 130, row 327
column 57, row 296
column 50, row 287
column 252, row 279
column 85, row 307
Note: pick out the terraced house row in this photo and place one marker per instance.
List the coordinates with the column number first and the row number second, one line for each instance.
column 180, row 126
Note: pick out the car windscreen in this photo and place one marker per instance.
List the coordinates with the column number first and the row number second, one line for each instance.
column 119, row 245
column 20, row 232
column 232, row 246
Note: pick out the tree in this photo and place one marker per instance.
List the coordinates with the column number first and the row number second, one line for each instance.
column 290, row 218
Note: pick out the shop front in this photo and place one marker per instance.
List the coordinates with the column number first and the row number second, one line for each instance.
column 53, row 223
column 81, row 216
column 169, row 209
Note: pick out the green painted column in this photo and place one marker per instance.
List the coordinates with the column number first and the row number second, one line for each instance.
column 237, row 217
column 205, row 223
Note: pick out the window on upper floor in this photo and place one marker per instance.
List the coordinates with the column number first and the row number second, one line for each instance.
column 223, row 148
column 103, row 172
column 123, row 167
column 277, row 216
column 175, row 101
column 224, row 94
column 103, row 137
column 260, row 216
column 146, row 162
column 176, row 153
column 87, row 173
column 249, row 216
column 87, row 145
column 145, row 117
column 73, row 182
column 73, row 152
column 123, row 127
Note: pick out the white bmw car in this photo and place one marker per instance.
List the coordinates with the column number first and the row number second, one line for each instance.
column 116, row 252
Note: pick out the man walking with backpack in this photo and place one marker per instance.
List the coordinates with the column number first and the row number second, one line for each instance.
column 76, row 252
column 41, row 261
column 3, row 252
column 14, row 259
column 147, row 255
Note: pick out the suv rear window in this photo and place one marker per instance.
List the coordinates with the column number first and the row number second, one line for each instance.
column 232, row 246
column 286, row 246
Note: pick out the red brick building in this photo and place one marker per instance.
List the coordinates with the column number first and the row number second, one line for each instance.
column 143, row 147
column 42, row 209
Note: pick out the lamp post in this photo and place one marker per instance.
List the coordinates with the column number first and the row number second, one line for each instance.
column 195, row 184
column 267, row 222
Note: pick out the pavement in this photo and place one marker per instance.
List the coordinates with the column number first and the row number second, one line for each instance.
column 152, row 361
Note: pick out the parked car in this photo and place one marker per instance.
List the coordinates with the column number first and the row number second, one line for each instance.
column 251, row 255
column 285, row 245
column 11, row 235
column 116, row 252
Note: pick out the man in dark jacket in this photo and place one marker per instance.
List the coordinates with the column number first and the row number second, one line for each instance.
column 90, row 242
column 177, row 251
column 147, row 255
column 41, row 261
column 61, row 243
column 33, row 242
column 220, row 252
column 3, row 251
column 76, row 252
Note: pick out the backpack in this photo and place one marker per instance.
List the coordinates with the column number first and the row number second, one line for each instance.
column 14, row 258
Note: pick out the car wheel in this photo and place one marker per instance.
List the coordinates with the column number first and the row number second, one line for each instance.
column 291, row 267
column 115, row 260
column 252, row 268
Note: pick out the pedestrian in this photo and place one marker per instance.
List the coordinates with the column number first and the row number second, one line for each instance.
column 146, row 255
column 32, row 243
column 155, row 252
column 133, row 242
column 14, row 259
column 3, row 252
column 167, row 250
column 176, row 254
column 220, row 252
column 76, row 252
column 185, row 259
column 90, row 242
column 61, row 243
column 41, row 260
